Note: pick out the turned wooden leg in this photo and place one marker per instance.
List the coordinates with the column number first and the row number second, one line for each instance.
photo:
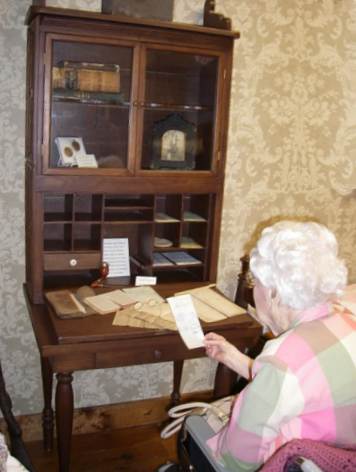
column 64, row 419
column 224, row 381
column 177, row 377
column 47, row 414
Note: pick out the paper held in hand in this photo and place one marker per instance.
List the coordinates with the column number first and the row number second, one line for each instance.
column 187, row 321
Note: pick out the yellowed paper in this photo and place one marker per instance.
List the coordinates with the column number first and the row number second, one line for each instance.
column 143, row 294
column 101, row 304
column 121, row 318
column 120, row 298
column 215, row 300
column 141, row 319
column 206, row 312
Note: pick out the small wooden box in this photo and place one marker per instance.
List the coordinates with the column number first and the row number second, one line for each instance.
column 86, row 77
column 154, row 9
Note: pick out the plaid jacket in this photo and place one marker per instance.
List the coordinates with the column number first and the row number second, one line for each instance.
column 304, row 386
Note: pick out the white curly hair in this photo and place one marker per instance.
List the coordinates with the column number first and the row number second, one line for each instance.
column 299, row 261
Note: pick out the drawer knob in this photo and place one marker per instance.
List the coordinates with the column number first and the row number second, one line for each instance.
column 158, row 354
column 73, row 262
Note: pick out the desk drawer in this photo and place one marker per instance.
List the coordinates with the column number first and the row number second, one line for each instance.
column 72, row 261
column 138, row 354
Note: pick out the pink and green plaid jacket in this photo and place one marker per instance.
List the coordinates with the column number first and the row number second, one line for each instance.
column 304, row 386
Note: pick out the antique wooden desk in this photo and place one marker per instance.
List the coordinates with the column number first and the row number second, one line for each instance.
column 67, row 346
column 123, row 90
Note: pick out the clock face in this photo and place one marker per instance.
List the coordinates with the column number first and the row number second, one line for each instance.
column 173, row 146
column 173, row 143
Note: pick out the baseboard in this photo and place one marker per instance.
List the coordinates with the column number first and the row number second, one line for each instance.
column 109, row 417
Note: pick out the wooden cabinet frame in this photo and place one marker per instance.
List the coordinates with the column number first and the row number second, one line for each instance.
column 43, row 178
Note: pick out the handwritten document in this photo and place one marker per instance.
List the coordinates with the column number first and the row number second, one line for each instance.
column 187, row 320
column 116, row 254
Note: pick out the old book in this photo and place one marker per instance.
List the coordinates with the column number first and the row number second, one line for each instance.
column 86, row 76
column 160, row 261
column 65, row 304
column 102, row 304
column 181, row 258
column 81, row 294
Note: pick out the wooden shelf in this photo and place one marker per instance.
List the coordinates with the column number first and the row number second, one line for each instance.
column 175, row 107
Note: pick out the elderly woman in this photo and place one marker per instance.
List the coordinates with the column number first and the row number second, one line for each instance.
column 303, row 384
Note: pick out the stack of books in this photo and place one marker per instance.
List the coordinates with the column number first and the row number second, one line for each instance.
column 160, row 261
column 181, row 258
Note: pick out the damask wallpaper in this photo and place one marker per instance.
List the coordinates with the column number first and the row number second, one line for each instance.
column 291, row 152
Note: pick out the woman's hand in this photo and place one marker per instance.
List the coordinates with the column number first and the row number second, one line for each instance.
column 219, row 349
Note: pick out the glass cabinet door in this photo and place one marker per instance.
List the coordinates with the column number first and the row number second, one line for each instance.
column 179, row 111
column 89, row 105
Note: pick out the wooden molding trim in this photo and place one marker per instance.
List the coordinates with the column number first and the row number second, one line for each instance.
column 215, row 20
column 109, row 417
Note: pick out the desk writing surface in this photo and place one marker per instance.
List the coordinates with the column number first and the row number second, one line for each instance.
column 99, row 327
column 96, row 328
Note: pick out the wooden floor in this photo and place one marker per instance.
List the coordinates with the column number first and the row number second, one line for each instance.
column 137, row 449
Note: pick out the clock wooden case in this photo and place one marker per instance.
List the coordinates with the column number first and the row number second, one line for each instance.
column 125, row 138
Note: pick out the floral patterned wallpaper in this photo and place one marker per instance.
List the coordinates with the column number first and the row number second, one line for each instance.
column 291, row 152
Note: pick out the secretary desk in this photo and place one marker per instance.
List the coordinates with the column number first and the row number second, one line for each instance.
column 125, row 138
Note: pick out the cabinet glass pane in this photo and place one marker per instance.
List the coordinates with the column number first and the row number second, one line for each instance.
column 90, row 105
column 179, row 111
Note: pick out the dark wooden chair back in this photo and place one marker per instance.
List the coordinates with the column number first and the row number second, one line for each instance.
column 17, row 446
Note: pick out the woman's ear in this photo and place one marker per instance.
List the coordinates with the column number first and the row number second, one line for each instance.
column 282, row 315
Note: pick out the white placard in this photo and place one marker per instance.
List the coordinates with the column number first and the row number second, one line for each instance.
column 116, row 254
column 86, row 160
column 187, row 320
column 145, row 280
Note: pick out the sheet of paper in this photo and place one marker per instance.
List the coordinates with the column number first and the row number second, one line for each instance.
column 143, row 294
column 120, row 298
column 215, row 300
column 116, row 254
column 187, row 320
column 205, row 312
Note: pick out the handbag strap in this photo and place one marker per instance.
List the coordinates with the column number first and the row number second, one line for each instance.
column 185, row 408
column 172, row 427
column 179, row 413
